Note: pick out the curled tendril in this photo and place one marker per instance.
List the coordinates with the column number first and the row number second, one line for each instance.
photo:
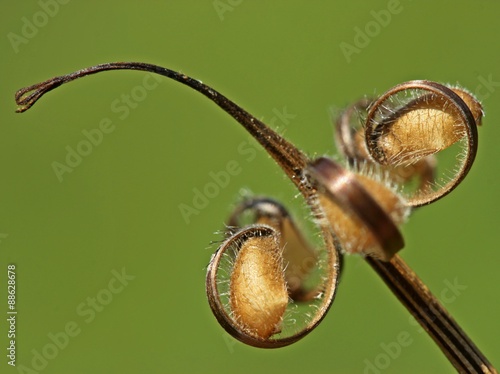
column 253, row 285
column 265, row 284
column 406, row 126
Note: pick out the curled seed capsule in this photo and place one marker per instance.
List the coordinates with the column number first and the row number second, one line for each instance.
column 350, row 139
column 365, row 222
column 298, row 256
column 247, row 290
column 420, row 118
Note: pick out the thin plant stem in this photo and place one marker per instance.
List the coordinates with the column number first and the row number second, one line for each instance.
column 431, row 315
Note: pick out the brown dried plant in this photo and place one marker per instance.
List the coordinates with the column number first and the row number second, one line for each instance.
column 267, row 285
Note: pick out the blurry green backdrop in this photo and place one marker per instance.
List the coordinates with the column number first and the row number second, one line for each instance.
column 104, row 252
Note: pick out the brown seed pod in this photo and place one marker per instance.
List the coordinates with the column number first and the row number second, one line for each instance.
column 363, row 212
column 420, row 118
column 299, row 257
column 247, row 292
column 350, row 140
column 258, row 293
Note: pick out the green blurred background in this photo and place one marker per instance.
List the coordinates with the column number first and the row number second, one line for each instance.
column 118, row 210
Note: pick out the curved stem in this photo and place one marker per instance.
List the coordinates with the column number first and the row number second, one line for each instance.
column 432, row 316
column 291, row 159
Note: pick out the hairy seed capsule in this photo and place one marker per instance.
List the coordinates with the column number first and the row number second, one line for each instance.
column 363, row 213
column 299, row 257
column 420, row 127
column 350, row 139
column 354, row 235
column 258, row 293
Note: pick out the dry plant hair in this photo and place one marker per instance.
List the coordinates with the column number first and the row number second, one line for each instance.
column 268, row 284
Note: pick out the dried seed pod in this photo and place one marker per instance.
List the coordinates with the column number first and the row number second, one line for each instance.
column 365, row 222
column 258, row 293
column 420, row 118
column 350, row 139
column 299, row 257
column 247, row 291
